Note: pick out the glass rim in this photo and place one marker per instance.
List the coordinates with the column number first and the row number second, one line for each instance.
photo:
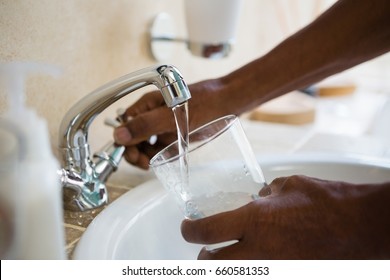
column 232, row 119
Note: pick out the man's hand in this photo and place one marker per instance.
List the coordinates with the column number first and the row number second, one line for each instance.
column 302, row 218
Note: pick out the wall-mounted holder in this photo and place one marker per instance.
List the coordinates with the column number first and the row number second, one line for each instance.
column 163, row 36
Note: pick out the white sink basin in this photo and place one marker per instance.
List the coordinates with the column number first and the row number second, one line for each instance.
column 145, row 222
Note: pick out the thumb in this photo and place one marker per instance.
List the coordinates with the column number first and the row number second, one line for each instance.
column 218, row 228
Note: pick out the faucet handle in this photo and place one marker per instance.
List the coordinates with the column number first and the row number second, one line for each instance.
column 118, row 120
column 111, row 154
column 120, row 115
column 111, row 122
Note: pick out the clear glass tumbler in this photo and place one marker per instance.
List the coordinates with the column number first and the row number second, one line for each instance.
column 223, row 173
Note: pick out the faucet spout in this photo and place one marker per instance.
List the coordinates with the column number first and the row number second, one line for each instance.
column 89, row 191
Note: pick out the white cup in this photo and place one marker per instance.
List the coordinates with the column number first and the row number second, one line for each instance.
column 211, row 26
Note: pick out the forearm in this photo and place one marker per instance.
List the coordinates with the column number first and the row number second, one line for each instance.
column 349, row 33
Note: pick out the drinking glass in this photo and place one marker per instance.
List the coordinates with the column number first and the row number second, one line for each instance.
column 218, row 173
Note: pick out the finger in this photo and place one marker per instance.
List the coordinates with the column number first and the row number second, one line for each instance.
column 284, row 185
column 136, row 157
column 146, row 103
column 275, row 187
column 218, row 228
column 265, row 191
column 141, row 127
column 140, row 154
column 132, row 154
column 143, row 161
column 151, row 150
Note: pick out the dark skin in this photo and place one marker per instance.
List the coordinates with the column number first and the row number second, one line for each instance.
column 303, row 218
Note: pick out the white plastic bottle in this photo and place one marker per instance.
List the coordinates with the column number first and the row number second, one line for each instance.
column 10, row 149
column 34, row 190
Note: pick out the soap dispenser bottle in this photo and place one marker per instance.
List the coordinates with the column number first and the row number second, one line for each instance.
column 11, row 147
column 34, row 191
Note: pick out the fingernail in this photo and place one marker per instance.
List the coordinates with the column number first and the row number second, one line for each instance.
column 122, row 135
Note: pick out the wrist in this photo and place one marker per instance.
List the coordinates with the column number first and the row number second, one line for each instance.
column 245, row 88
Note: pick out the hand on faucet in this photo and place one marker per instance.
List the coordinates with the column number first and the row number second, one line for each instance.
column 150, row 116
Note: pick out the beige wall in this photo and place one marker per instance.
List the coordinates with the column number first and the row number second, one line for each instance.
column 97, row 41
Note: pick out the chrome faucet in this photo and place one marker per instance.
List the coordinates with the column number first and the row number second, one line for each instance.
column 84, row 180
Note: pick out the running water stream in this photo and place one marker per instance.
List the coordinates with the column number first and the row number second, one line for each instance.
column 180, row 113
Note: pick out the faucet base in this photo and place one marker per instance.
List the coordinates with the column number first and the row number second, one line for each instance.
column 81, row 196
column 84, row 201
